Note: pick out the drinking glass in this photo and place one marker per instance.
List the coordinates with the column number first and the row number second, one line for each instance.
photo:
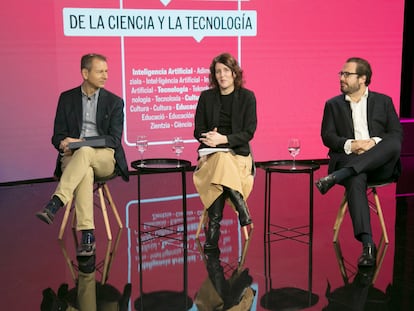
column 142, row 145
column 294, row 149
column 178, row 148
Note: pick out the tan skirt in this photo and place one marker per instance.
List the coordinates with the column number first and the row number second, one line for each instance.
column 223, row 169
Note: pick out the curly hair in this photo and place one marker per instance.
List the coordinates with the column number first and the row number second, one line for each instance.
column 229, row 61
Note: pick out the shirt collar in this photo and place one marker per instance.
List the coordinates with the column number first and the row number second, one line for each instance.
column 364, row 96
column 93, row 96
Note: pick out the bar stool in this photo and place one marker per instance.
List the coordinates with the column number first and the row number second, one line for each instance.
column 375, row 206
column 105, row 197
column 103, row 267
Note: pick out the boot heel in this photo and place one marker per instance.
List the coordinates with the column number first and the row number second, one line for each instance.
column 241, row 207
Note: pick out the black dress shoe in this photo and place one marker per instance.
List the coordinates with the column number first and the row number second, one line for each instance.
column 87, row 264
column 325, row 183
column 368, row 257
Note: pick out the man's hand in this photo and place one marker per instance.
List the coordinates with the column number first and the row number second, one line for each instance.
column 362, row 145
column 63, row 146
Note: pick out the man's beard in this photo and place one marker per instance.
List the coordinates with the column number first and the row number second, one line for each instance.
column 346, row 89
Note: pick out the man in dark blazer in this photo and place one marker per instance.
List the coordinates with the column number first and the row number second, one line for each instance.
column 86, row 113
column 363, row 133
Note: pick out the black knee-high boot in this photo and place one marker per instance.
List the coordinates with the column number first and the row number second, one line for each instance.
column 241, row 207
column 215, row 214
column 216, row 275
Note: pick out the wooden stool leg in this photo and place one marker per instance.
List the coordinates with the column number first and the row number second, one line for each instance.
column 113, row 206
column 104, row 213
column 380, row 260
column 340, row 217
column 109, row 257
column 106, row 262
column 65, row 220
column 247, row 236
column 201, row 224
column 341, row 263
column 383, row 244
column 68, row 260
column 380, row 215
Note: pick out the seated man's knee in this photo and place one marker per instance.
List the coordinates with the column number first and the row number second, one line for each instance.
column 356, row 182
column 84, row 151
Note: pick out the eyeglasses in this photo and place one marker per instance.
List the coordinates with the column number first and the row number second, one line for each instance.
column 346, row 74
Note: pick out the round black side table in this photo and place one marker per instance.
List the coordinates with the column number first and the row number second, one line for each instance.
column 162, row 166
column 279, row 298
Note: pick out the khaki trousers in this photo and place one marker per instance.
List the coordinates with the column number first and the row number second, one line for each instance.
column 87, row 291
column 93, row 296
column 77, row 179
column 223, row 169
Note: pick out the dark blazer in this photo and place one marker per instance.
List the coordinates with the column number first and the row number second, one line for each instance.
column 109, row 119
column 244, row 118
column 337, row 124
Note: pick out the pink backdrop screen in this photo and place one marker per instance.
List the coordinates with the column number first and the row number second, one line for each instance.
column 159, row 53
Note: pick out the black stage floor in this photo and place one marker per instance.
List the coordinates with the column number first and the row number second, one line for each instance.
column 34, row 266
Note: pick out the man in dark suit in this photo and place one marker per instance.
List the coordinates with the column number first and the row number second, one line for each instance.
column 87, row 112
column 363, row 133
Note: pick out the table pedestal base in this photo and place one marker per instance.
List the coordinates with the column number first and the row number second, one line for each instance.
column 288, row 298
column 164, row 300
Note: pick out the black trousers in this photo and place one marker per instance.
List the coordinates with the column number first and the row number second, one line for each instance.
column 380, row 163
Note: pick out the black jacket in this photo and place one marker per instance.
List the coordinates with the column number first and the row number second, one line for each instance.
column 109, row 121
column 244, row 118
column 337, row 124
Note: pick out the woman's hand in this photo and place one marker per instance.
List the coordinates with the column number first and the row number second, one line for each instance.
column 213, row 138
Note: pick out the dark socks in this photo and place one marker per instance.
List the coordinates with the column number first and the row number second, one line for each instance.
column 343, row 174
column 54, row 204
column 85, row 232
column 365, row 238
column 57, row 200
